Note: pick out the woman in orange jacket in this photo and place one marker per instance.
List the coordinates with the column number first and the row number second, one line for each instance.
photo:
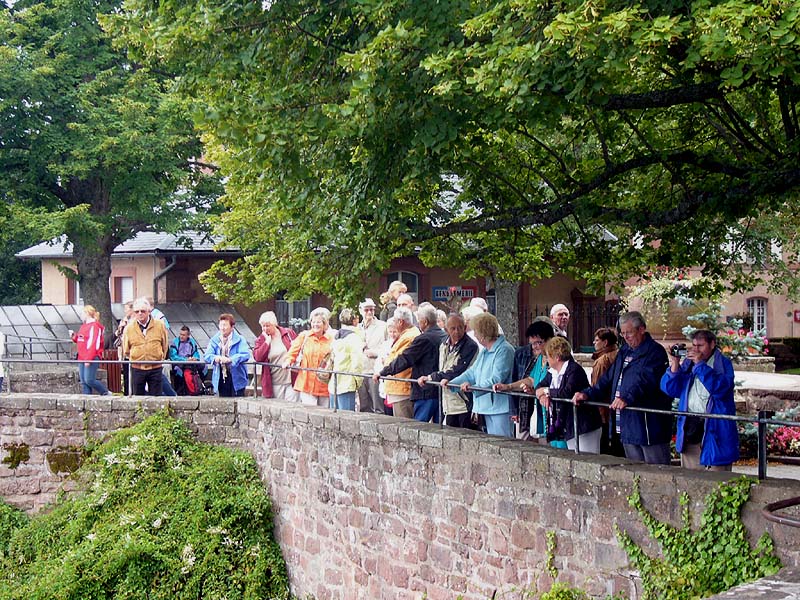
column 312, row 346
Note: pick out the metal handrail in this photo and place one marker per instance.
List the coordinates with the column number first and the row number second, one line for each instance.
column 763, row 419
column 769, row 512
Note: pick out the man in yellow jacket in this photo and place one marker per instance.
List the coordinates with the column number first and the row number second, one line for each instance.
column 145, row 338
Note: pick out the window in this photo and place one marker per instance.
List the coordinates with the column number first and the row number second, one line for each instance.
column 74, row 292
column 757, row 307
column 122, row 289
column 285, row 310
column 410, row 279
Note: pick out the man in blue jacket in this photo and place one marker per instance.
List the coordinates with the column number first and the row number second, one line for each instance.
column 634, row 380
column 704, row 384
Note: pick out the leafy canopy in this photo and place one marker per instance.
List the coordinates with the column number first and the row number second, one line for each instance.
column 496, row 136
column 92, row 144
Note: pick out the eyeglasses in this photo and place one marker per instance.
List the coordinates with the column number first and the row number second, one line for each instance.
column 539, row 343
column 369, row 309
column 141, row 310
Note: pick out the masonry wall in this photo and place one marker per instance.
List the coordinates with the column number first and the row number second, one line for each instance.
column 373, row 507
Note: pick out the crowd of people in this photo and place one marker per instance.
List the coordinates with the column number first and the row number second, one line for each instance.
column 402, row 363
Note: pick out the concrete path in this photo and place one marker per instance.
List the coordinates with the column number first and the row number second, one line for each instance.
column 767, row 381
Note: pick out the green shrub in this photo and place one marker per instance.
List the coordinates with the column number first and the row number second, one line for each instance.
column 162, row 517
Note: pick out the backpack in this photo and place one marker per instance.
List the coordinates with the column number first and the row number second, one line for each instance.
column 194, row 382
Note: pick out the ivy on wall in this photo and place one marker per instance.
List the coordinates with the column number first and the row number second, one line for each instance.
column 700, row 563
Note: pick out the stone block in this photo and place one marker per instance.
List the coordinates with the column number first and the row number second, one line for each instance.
column 39, row 403
column 124, row 403
column 98, row 404
column 210, row 405
column 389, row 431
column 15, row 402
column 368, row 428
column 408, row 433
column 70, row 403
column 431, row 438
column 184, row 404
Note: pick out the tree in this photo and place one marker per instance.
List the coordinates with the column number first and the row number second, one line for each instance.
column 504, row 137
column 92, row 145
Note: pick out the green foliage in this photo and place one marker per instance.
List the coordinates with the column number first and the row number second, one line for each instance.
column 11, row 519
column 700, row 563
column 92, row 145
column 499, row 137
column 162, row 517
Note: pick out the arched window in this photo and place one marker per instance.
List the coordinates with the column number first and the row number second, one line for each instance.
column 757, row 307
column 410, row 279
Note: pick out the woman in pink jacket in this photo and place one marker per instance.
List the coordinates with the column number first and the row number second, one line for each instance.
column 90, row 350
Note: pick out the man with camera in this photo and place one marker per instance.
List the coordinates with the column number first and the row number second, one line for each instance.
column 702, row 377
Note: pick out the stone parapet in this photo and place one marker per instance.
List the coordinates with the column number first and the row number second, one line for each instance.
column 369, row 506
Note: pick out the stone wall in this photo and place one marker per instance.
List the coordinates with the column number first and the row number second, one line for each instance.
column 373, row 507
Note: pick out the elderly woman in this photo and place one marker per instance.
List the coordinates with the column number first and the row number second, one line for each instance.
column 493, row 365
column 347, row 355
column 311, row 347
column 382, row 360
column 564, row 378
column 271, row 347
column 229, row 353
column 530, row 368
column 605, row 351
column 89, row 339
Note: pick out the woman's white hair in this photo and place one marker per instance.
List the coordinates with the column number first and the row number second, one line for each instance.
column 267, row 317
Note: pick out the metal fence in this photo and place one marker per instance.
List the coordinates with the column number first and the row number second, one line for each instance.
column 762, row 420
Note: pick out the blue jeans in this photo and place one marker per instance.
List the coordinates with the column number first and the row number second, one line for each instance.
column 88, row 377
column 426, row 409
column 346, row 401
column 166, row 386
column 499, row 425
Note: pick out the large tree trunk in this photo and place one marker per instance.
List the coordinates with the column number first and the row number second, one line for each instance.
column 92, row 254
column 94, row 273
column 507, row 308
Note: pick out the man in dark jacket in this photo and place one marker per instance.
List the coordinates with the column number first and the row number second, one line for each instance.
column 456, row 354
column 422, row 355
column 634, row 380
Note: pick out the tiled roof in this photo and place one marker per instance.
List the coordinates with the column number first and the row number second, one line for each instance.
column 143, row 243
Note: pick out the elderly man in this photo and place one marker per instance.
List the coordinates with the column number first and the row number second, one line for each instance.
column 375, row 335
column 559, row 315
column 704, row 384
column 634, row 379
column 398, row 393
column 456, row 354
column 422, row 355
column 145, row 338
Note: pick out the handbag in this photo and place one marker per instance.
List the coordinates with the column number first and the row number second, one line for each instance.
column 324, row 376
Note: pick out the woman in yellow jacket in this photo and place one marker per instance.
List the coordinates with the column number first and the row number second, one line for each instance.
column 347, row 354
column 312, row 346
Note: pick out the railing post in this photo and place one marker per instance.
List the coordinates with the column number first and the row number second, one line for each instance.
column 763, row 415
column 441, row 406
column 575, row 428
column 335, row 397
column 130, row 378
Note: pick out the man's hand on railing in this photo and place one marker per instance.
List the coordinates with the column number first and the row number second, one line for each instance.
column 579, row 397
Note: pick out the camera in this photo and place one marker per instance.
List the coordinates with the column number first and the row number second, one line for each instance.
column 678, row 350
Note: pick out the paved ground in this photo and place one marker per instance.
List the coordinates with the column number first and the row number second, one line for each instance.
column 767, row 381
column 774, row 471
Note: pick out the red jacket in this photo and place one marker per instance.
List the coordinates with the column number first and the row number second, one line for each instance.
column 260, row 354
column 90, row 340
